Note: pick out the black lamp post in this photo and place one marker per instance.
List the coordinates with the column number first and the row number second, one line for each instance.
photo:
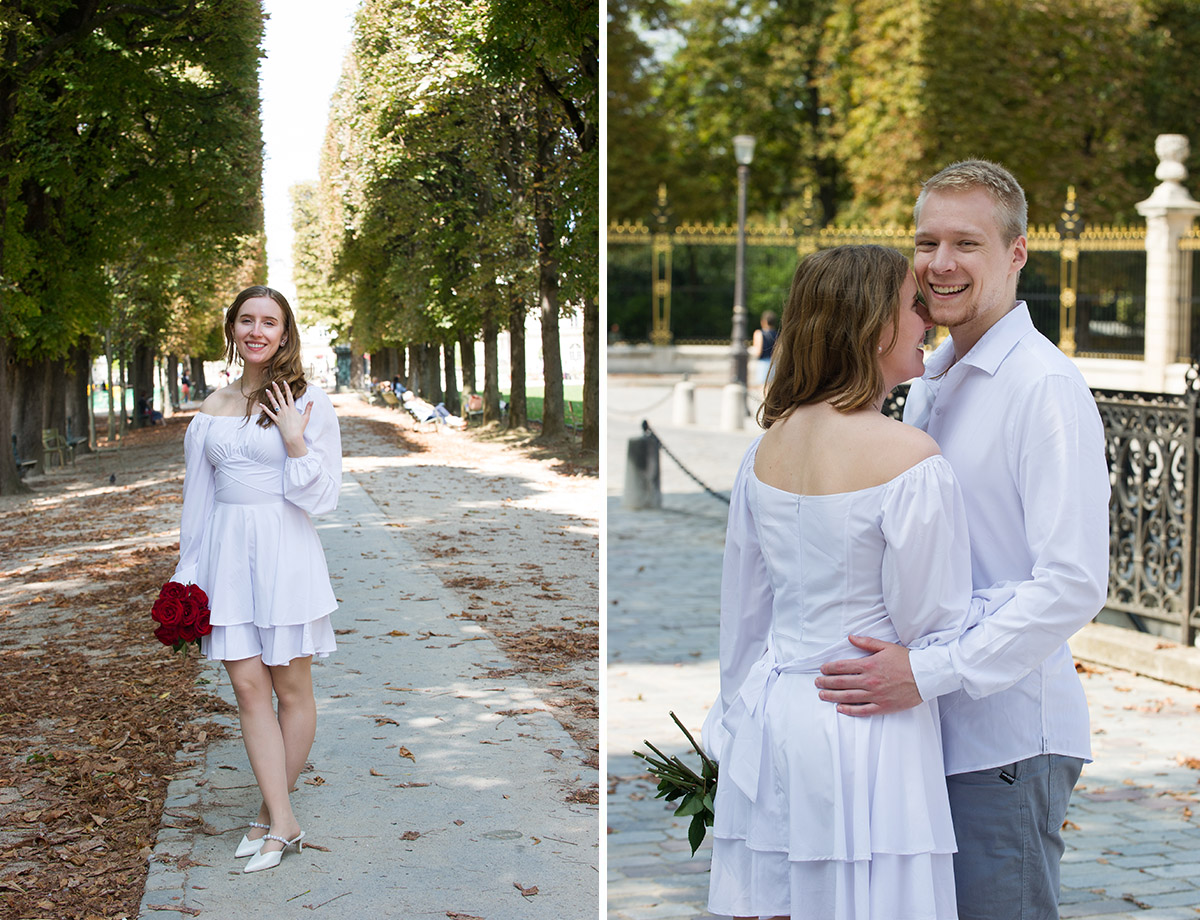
column 743, row 152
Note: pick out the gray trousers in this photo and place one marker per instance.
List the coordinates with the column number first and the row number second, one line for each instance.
column 1008, row 821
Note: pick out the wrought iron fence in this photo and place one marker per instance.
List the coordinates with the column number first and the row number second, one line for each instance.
column 1151, row 443
column 1086, row 286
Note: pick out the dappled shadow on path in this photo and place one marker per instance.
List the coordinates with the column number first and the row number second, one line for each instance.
column 511, row 535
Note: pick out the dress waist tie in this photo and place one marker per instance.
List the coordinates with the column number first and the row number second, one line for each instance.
column 742, row 760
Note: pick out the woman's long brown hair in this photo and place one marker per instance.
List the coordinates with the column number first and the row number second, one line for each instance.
column 841, row 300
column 285, row 366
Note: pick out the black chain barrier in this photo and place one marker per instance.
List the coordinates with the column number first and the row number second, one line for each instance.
column 650, row 432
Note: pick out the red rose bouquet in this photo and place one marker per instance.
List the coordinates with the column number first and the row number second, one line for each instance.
column 181, row 613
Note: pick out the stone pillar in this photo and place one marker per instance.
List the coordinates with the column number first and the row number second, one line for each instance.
column 684, row 408
column 643, row 487
column 733, row 406
column 1169, row 212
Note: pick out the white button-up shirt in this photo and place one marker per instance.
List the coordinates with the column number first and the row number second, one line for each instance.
column 1022, row 433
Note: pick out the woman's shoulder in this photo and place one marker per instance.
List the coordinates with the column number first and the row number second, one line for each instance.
column 218, row 402
column 898, row 448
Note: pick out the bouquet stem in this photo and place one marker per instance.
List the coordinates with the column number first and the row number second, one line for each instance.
column 677, row 780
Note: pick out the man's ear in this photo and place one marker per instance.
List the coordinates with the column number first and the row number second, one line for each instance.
column 1020, row 254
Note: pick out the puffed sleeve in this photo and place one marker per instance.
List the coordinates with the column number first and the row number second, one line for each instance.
column 197, row 498
column 746, row 601
column 312, row 482
column 926, row 558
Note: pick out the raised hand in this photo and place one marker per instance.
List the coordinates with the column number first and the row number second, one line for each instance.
column 290, row 422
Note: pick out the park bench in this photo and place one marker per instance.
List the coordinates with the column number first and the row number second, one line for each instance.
column 23, row 466
column 74, row 440
column 55, row 445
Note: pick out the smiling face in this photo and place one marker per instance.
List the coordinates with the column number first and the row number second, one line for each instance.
column 967, row 272
column 902, row 356
column 258, row 331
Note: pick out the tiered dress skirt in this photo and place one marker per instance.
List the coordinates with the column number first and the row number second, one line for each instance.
column 842, row 818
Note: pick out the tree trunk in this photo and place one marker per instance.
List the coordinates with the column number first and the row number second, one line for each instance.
column 552, row 402
column 466, row 349
column 591, row 374
column 79, row 370
column 356, row 367
column 54, row 408
column 29, row 397
column 491, row 371
column 143, row 381
column 173, row 381
column 518, row 405
column 432, row 377
column 199, row 386
column 413, row 379
column 450, row 397
column 10, row 478
column 398, row 355
column 109, row 391
column 126, row 384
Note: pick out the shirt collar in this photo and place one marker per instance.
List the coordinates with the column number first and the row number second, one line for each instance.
column 991, row 349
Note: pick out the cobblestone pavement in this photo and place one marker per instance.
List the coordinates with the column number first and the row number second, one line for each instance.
column 1133, row 842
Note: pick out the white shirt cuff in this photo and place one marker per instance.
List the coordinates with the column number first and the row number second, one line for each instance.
column 933, row 671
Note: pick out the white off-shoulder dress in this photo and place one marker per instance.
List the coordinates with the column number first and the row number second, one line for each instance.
column 246, row 539
column 821, row 815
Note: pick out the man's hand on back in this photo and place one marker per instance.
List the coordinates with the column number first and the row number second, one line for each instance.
column 878, row 684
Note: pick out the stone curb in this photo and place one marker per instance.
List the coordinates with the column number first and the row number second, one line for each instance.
column 1150, row 656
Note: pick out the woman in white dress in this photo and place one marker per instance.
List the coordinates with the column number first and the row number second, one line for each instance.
column 842, row 522
column 261, row 455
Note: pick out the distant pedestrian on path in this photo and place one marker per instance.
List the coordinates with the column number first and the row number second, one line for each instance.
column 841, row 520
column 261, row 455
column 762, row 345
column 1020, row 428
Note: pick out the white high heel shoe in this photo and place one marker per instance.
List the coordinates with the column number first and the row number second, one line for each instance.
column 249, row 847
column 261, row 860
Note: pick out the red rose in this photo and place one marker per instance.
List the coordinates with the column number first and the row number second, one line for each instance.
column 173, row 590
column 167, row 611
column 183, row 615
column 197, row 596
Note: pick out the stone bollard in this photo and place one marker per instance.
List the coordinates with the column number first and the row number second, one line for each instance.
column 642, row 486
column 733, row 407
column 684, row 407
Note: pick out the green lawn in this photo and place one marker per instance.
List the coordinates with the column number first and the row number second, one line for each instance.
column 572, row 396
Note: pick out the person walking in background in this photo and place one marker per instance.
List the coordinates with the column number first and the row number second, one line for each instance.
column 762, row 345
column 261, row 455
column 841, row 520
column 1018, row 424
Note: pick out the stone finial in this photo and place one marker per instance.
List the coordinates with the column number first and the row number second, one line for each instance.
column 1172, row 150
column 1170, row 196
